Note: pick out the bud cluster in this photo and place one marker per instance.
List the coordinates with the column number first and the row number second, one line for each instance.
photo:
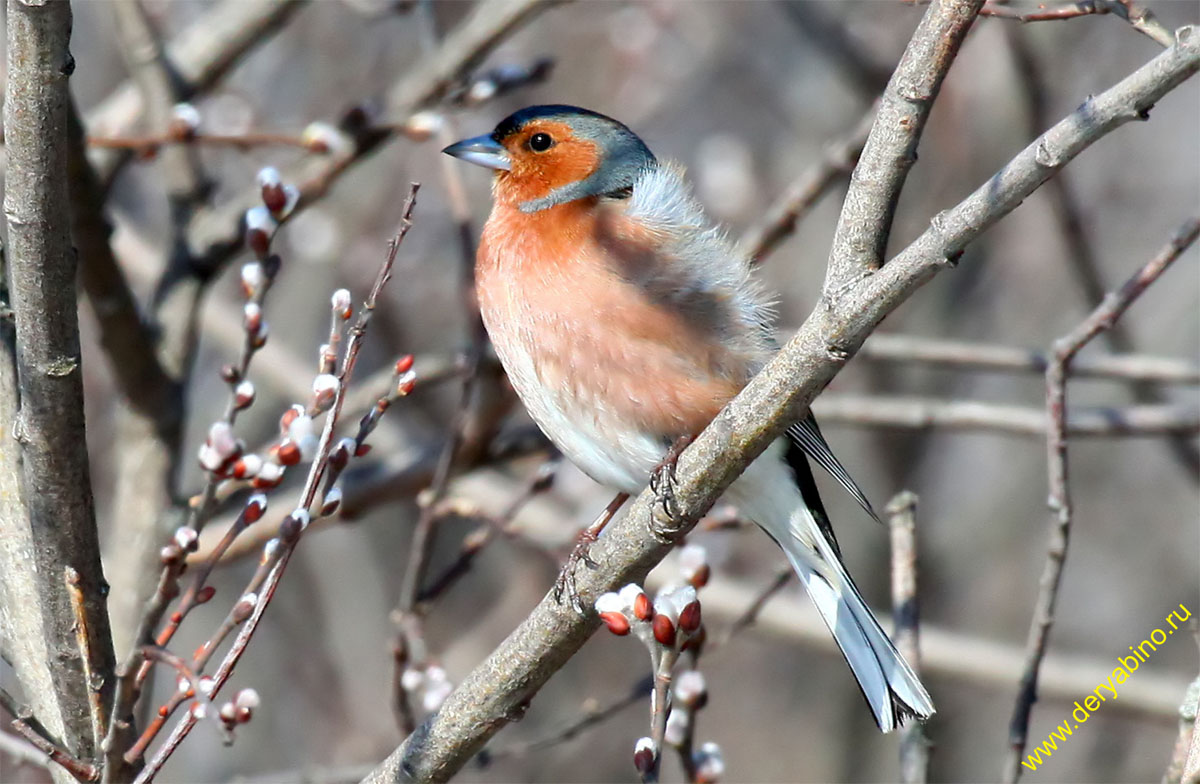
column 672, row 621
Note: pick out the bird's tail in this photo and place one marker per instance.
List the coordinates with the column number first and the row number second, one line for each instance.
column 891, row 688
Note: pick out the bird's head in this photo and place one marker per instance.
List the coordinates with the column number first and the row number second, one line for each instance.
column 550, row 155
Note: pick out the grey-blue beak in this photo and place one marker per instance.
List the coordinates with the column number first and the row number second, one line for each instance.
column 483, row 151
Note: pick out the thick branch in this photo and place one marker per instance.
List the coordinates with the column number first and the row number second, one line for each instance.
column 50, row 426
column 866, row 219
column 499, row 689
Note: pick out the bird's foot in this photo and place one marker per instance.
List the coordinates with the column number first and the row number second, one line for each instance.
column 564, row 584
column 662, row 482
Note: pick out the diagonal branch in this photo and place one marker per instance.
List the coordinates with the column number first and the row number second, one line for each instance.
column 498, row 690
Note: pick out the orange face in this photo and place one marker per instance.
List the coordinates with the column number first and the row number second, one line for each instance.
column 544, row 155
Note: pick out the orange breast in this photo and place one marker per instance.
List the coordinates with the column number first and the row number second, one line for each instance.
column 551, row 290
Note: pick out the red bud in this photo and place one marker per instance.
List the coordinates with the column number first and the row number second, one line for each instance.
column 689, row 617
column 664, row 630
column 617, row 623
column 643, row 608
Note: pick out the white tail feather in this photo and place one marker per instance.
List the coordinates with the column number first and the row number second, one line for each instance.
column 892, row 689
column 766, row 494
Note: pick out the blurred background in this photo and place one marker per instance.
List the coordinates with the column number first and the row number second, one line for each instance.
column 747, row 95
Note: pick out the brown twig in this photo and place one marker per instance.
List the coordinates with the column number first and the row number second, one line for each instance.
column 276, row 563
column 1065, row 349
column 860, row 240
column 49, row 430
column 914, row 742
column 214, row 234
column 494, row 693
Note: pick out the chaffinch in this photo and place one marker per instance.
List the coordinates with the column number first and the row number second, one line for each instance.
column 625, row 320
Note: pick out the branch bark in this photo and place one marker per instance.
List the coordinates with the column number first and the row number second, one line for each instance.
column 499, row 690
column 862, row 232
column 50, row 424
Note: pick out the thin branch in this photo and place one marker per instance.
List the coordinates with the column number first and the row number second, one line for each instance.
column 496, row 691
column 894, row 347
column 1065, row 349
column 914, row 742
column 781, row 218
column 318, row 469
column 591, row 717
column 50, row 425
column 915, row 413
column 862, row 232
column 215, row 233
column 1142, row 19
column 1081, row 255
column 200, row 57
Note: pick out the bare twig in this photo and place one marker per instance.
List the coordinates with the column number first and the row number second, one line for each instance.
column 836, row 162
column 860, row 241
column 496, row 691
column 215, row 234
column 926, row 413
column 1142, row 19
column 50, row 425
column 1081, row 255
column 46, row 746
column 914, row 743
column 1065, row 349
column 892, row 347
column 200, row 57
column 275, row 565
column 591, row 716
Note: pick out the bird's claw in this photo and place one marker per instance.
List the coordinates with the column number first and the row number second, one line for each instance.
column 663, row 481
column 564, row 584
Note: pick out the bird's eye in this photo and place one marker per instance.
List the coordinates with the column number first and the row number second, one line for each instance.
column 540, row 142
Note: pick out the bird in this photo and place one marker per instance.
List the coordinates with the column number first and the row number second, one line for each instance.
column 625, row 319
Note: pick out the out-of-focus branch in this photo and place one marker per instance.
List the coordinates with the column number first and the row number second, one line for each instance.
column 894, row 347
column 1081, row 255
column 215, row 233
column 914, row 413
column 914, row 743
column 860, row 241
column 50, row 427
column 497, row 691
column 200, row 56
column 950, row 653
column 806, row 190
column 1065, row 349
